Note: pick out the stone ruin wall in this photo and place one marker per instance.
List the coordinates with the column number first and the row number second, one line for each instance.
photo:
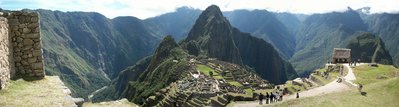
column 5, row 55
column 23, row 44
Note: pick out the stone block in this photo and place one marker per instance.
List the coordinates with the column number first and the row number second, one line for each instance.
column 22, row 71
column 37, row 66
column 32, row 60
column 17, row 33
column 12, row 22
column 36, row 30
column 37, row 53
column 26, row 30
column 21, row 25
column 17, row 59
column 28, row 42
column 24, row 56
column 33, row 25
column 24, row 62
column 38, row 71
column 34, row 19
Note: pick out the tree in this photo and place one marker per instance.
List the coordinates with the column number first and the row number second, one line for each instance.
column 210, row 73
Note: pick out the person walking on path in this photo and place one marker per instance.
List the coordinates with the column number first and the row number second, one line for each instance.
column 297, row 94
column 360, row 87
column 261, row 98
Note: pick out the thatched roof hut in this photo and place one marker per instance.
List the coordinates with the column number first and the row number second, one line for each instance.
column 341, row 55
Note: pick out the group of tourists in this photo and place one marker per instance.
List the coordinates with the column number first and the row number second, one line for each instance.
column 271, row 97
column 354, row 62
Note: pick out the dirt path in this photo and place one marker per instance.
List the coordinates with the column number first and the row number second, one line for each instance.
column 328, row 88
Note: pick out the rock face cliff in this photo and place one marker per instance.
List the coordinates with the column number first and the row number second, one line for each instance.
column 369, row 48
column 213, row 36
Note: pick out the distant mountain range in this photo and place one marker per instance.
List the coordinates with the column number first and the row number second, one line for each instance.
column 89, row 50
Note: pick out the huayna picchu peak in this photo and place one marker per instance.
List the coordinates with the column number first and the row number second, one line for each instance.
column 213, row 36
column 197, row 53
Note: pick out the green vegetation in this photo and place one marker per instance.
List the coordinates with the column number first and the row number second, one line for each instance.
column 369, row 48
column 119, row 103
column 248, row 91
column 333, row 75
column 383, row 93
column 234, row 83
column 378, row 24
column 377, row 92
column 45, row 92
column 366, row 74
column 86, row 49
column 205, row 69
column 319, row 34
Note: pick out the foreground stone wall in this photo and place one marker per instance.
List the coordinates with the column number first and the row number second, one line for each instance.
column 5, row 55
column 21, row 47
column 24, row 30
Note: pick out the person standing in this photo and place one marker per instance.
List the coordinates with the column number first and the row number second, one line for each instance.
column 297, row 94
column 267, row 98
column 261, row 98
column 271, row 97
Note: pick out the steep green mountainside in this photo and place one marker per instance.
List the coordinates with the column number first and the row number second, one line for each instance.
column 213, row 36
column 86, row 49
column 177, row 23
column 369, row 48
column 148, row 75
column 386, row 26
column 319, row 34
column 265, row 25
column 290, row 20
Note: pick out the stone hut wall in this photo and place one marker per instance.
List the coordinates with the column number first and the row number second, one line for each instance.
column 5, row 51
column 23, row 42
column 24, row 30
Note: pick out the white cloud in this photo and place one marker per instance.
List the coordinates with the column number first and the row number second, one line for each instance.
column 149, row 8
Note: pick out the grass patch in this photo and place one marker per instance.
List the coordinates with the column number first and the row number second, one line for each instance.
column 366, row 74
column 41, row 93
column 248, row 91
column 119, row 103
column 379, row 94
column 205, row 70
column 235, row 83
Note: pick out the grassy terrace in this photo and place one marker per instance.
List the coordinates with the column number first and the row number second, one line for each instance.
column 119, row 103
column 40, row 93
column 366, row 74
column 235, row 83
column 333, row 75
column 205, row 70
column 382, row 92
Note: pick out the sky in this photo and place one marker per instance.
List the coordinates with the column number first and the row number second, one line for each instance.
column 150, row 8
